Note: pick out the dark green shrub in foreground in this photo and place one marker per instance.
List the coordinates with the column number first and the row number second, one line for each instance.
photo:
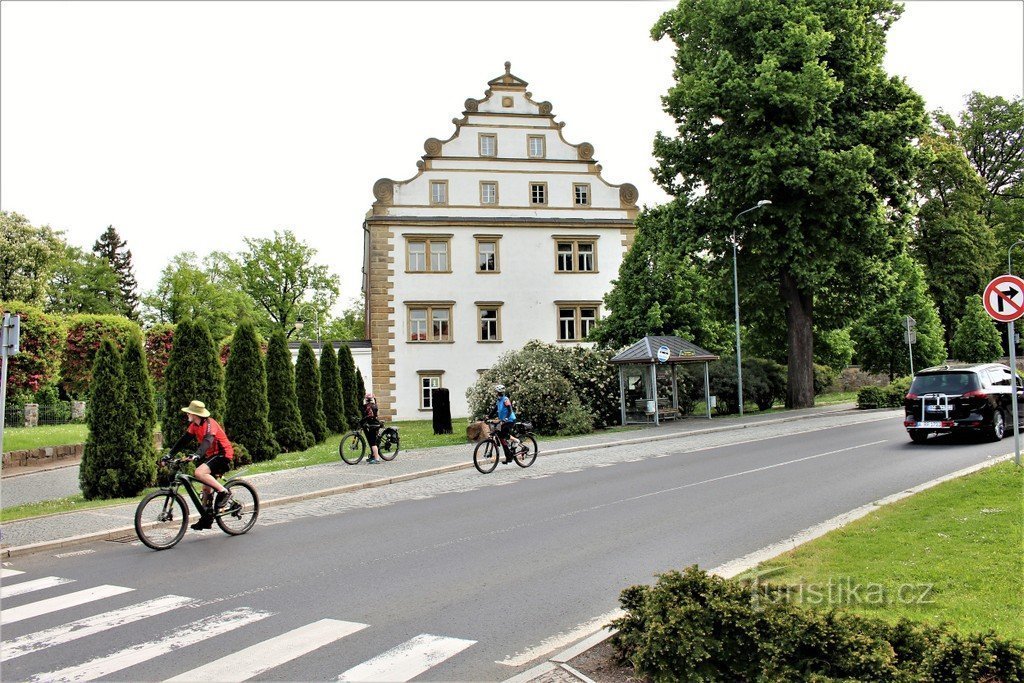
column 108, row 468
column 890, row 396
column 307, row 391
column 246, row 419
column 193, row 373
column 139, row 397
column 331, row 390
column 353, row 399
column 693, row 626
column 284, row 408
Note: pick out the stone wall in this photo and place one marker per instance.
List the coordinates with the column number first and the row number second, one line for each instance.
column 54, row 455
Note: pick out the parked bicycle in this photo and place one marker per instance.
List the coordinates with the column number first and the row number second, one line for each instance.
column 162, row 517
column 353, row 445
column 488, row 452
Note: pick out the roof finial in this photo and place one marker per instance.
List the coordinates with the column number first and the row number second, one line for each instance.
column 508, row 68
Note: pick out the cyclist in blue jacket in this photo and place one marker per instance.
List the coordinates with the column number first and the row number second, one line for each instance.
column 506, row 417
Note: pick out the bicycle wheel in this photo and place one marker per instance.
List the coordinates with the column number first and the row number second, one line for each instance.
column 352, row 448
column 485, row 457
column 526, row 459
column 160, row 519
column 387, row 444
column 242, row 510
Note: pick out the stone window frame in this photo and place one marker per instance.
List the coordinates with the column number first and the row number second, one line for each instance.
column 480, row 144
column 489, row 182
column 577, row 320
column 429, row 307
column 424, row 395
column 589, row 196
column 575, row 241
column 428, row 239
column 543, row 147
column 496, row 241
column 441, row 202
column 482, row 306
column 543, row 184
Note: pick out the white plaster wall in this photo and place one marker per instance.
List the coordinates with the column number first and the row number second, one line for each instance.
column 513, row 189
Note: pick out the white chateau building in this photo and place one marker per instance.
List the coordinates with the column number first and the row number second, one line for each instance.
column 506, row 233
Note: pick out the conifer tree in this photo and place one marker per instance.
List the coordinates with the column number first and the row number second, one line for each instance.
column 194, row 373
column 284, row 408
column 101, row 474
column 111, row 248
column 246, row 417
column 141, row 469
column 976, row 339
column 307, row 391
column 360, row 387
column 347, row 370
column 330, row 388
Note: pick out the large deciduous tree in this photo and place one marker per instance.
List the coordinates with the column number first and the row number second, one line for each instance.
column 788, row 100
column 247, row 415
column 28, row 256
column 111, row 248
column 976, row 339
column 82, row 282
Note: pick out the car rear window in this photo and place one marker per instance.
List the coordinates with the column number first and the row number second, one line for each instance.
column 945, row 383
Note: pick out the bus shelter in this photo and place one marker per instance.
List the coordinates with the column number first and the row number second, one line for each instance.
column 649, row 364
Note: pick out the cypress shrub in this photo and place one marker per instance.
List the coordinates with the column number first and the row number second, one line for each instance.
column 246, row 418
column 284, row 408
column 360, row 388
column 110, row 444
column 307, row 391
column 330, row 389
column 193, row 373
column 347, row 370
column 139, row 397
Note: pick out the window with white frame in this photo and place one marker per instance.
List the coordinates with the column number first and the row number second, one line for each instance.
column 438, row 192
column 581, row 194
column 489, row 318
column 488, row 192
column 539, row 193
column 429, row 380
column 575, row 255
column 487, row 254
column 428, row 253
column 535, row 148
column 430, row 322
column 575, row 321
column 488, row 145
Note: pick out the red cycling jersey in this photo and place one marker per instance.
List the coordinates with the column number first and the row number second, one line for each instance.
column 221, row 444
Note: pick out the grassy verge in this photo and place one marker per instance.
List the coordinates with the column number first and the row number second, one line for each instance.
column 951, row 553
column 24, row 438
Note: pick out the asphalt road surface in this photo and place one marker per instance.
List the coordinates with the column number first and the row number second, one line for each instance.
column 455, row 577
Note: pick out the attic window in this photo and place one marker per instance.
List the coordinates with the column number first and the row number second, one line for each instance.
column 506, row 101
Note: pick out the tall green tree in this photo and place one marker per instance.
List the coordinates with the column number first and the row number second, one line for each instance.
column 788, row 100
column 289, row 431
column 350, row 326
column 878, row 335
column 977, row 339
column 82, row 282
column 307, row 391
column 360, row 386
column 247, row 415
column 114, row 251
column 194, row 373
column 279, row 274
column 331, row 390
column 139, row 399
column 953, row 240
column 350, row 390
column 110, row 446
column 28, row 256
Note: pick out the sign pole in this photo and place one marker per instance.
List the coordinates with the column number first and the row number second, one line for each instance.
column 1004, row 302
column 1013, row 394
column 3, row 377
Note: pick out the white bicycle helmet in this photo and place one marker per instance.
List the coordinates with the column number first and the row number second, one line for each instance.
column 500, row 388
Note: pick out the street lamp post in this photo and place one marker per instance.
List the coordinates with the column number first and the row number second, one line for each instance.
column 316, row 319
column 736, row 303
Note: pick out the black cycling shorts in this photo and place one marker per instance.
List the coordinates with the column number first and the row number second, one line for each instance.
column 372, row 434
column 218, row 464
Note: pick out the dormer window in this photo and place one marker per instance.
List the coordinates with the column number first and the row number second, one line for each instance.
column 535, row 146
column 488, row 145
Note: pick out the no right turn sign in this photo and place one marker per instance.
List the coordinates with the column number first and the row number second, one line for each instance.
column 1004, row 298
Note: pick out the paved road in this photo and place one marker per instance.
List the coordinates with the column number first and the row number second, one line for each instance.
column 457, row 576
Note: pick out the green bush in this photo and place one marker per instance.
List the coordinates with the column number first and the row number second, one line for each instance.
column 331, row 390
column 871, row 397
column 824, row 377
column 767, row 382
column 284, row 408
column 84, row 333
column 193, row 373
column 575, row 419
column 353, row 397
column 246, row 418
column 307, row 392
column 41, row 346
column 242, row 455
column 60, row 411
column 890, row 396
column 693, row 626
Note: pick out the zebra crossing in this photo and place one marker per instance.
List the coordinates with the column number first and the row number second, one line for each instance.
column 402, row 662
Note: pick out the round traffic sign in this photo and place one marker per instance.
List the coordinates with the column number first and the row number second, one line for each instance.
column 1004, row 298
column 663, row 353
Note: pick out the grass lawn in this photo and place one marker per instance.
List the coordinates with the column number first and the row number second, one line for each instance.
column 951, row 553
column 24, row 438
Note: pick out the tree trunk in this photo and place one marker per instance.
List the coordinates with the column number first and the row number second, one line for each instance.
column 800, row 338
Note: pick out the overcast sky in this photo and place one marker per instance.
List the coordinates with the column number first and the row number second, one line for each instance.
column 190, row 125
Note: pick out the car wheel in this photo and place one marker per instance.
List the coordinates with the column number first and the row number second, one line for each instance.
column 917, row 436
column 997, row 430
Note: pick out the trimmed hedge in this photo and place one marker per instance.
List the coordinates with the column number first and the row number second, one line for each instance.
column 693, row 626
column 85, row 332
column 159, row 341
column 41, row 345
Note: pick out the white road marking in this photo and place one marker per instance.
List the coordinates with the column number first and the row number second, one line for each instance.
column 561, row 640
column 254, row 660
column 58, row 635
column 9, row 572
column 10, row 591
column 408, row 660
column 189, row 634
column 75, row 553
column 35, row 609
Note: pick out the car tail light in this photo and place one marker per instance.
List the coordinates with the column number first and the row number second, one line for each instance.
column 977, row 393
column 909, row 422
column 912, row 396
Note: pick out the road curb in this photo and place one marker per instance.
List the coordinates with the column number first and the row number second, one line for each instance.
column 738, row 566
column 7, row 553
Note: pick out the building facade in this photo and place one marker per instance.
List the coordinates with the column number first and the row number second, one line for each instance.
column 506, row 233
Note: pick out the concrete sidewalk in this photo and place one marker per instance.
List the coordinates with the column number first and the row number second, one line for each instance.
column 287, row 486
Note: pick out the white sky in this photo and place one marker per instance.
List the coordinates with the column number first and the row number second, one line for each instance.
column 190, row 125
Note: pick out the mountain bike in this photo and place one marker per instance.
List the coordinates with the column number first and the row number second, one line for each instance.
column 162, row 517
column 488, row 452
column 353, row 445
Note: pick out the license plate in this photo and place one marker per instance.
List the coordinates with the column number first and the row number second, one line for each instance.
column 929, row 425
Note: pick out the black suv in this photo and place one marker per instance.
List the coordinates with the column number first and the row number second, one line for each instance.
column 961, row 398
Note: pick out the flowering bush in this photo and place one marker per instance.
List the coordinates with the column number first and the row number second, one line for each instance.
column 85, row 333
column 38, row 361
column 159, row 341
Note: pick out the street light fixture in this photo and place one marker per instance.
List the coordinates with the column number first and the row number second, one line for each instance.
column 316, row 317
column 736, row 302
